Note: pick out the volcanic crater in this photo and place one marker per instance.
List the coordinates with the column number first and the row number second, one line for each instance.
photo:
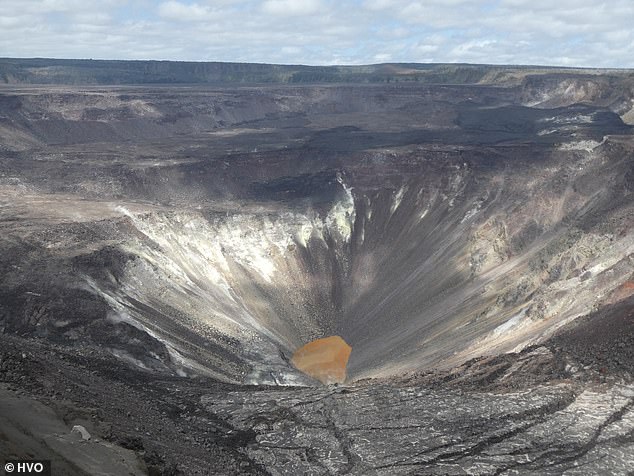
column 179, row 243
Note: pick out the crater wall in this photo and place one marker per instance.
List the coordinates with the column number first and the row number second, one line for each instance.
column 215, row 231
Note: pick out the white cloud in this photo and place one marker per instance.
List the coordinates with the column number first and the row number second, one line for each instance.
column 291, row 7
column 570, row 32
column 378, row 4
column 425, row 49
column 184, row 12
column 95, row 18
column 58, row 6
column 291, row 50
column 382, row 58
column 14, row 21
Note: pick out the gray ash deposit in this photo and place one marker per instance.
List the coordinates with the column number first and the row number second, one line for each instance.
column 165, row 249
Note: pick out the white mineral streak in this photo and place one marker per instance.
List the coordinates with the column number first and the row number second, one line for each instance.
column 420, row 199
column 509, row 325
column 120, row 314
column 586, row 145
column 471, row 213
column 398, row 198
column 340, row 219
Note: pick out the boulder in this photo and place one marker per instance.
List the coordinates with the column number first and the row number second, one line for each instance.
column 80, row 431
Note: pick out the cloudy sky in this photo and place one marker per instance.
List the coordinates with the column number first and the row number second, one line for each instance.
column 546, row 32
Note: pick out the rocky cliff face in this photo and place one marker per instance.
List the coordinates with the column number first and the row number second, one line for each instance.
column 209, row 232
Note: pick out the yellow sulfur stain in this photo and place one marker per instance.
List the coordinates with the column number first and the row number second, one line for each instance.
column 324, row 359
